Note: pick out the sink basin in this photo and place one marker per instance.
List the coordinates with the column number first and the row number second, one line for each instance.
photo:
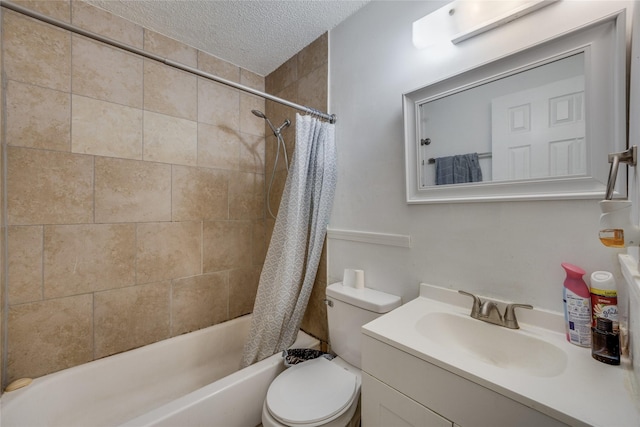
column 492, row 344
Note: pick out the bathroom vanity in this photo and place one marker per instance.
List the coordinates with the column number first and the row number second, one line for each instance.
column 428, row 363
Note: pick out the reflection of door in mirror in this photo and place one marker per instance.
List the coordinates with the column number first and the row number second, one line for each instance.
column 527, row 124
column 540, row 132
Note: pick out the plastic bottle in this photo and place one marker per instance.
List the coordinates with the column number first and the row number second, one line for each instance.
column 577, row 306
column 604, row 298
column 605, row 337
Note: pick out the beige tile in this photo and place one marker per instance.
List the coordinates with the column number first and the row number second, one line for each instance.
column 321, row 275
column 259, row 237
column 131, row 317
column 132, row 191
column 218, row 67
column 251, row 155
column 227, row 244
column 252, row 80
column 169, row 139
column 314, row 321
column 57, row 9
column 275, row 196
column 169, row 250
column 290, row 141
column 38, row 117
column 199, row 194
column 243, row 285
column 218, row 147
column 249, row 123
column 80, row 259
column 279, row 113
column 198, row 302
column 314, row 55
column 48, row 336
column 105, row 23
column 218, row 104
column 312, row 89
column 106, row 73
column 169, row 48
column 283, row 76
column 269, row 224
column 170, row 91
column 271, row 151
column 105, row 129
column 315, row 317
column 48, row 187
column 36, row 53
column 246, row 195
column 24, row 258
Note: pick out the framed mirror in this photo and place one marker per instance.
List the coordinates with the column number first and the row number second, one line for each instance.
column 534, row 125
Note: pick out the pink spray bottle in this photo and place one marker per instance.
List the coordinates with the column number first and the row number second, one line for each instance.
column 577, row 306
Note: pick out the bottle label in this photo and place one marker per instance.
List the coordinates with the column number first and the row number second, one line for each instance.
column 611, row 293
column 578, row 318
column 605, row 306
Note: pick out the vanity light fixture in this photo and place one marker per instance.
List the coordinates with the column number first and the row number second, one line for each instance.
column 461, row 20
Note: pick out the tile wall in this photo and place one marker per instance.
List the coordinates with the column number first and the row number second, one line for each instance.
column 2, row 225
column 135, row 191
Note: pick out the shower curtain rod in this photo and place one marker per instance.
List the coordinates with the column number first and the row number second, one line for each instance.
column 40, row 17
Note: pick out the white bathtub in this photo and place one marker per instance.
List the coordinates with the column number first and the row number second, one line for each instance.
column 189, row 380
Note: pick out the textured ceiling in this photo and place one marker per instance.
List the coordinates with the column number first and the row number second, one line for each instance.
column 256, row 35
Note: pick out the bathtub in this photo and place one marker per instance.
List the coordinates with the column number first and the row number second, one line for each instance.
column 190, row 380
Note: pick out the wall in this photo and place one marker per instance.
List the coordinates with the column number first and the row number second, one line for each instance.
column 135, row 192
column 301, row 79
column 508, row 250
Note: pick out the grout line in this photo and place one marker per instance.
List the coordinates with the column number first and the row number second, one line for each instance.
column 93, row 325
column 42, row 265
column 4, row 298
column 171, row 285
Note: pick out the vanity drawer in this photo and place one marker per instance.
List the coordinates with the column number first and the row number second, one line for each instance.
column 383, row 406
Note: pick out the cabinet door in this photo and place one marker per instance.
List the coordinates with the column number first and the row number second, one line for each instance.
column 383, row 406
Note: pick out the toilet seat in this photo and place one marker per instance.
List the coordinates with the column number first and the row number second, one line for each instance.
column 311, row 393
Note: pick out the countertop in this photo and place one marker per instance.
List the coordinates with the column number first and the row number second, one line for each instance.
column 586, row 392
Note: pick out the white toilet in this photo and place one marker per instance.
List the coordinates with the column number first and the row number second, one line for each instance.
column 326, row 393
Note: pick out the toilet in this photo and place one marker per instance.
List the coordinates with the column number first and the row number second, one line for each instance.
column 323, row 392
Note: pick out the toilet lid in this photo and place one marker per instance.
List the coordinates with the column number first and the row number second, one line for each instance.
column 312, row 391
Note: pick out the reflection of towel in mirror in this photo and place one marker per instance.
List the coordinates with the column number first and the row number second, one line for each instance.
column 457, row 169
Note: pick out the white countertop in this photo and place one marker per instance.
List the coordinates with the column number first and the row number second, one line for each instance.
column 586, row 392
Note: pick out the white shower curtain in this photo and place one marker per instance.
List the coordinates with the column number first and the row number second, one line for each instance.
column 293, row 256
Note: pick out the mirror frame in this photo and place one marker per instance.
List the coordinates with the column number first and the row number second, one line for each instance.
column 604, row 45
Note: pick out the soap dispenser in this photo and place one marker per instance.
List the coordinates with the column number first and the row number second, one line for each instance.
column 616, row 229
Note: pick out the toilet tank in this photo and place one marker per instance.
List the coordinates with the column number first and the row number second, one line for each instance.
column 348, row 309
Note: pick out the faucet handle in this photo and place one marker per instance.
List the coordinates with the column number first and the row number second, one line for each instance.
column 475, row 309
column 510, row 320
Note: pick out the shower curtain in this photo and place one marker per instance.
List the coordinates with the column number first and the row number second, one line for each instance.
column 293, row 256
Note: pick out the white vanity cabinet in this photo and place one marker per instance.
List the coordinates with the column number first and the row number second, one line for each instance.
column 383, row 406
column 399, row 389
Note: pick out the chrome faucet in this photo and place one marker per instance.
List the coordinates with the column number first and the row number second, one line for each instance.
column 488, row 311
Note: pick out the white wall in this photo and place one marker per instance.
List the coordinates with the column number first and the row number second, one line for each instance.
column 507, row 250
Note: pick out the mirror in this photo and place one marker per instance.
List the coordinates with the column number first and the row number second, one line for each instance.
column 535, row 125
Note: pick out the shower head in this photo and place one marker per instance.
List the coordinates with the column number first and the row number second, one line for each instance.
column 259, row 113
column 276, row 131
